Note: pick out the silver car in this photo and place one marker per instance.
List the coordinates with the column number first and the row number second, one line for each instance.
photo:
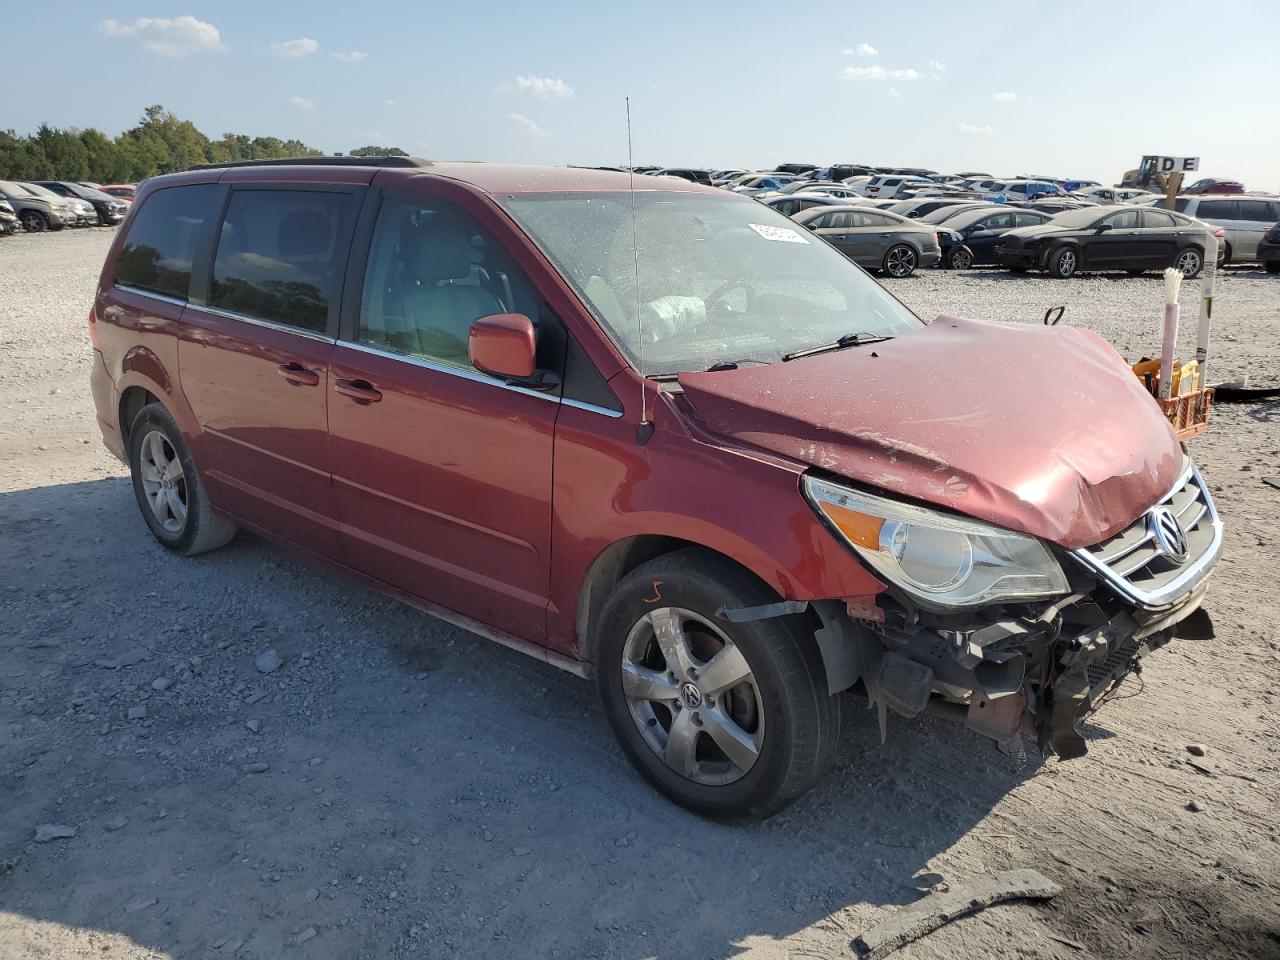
column 875, row 239
column 81, row 213
column 37, row 213
column 1243, row 218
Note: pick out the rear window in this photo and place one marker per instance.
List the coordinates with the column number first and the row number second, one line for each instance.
column 277, row 256
column 157, row 252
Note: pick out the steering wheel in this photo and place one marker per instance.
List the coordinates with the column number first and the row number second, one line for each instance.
column 728, row 287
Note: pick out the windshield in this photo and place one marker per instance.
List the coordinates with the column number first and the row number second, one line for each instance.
column 720, row 278
column 44, row 193
column 1084, row 217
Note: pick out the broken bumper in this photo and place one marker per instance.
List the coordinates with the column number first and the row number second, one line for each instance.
column 1039, row 670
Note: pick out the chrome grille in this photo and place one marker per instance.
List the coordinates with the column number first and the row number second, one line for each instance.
column 1133, row 564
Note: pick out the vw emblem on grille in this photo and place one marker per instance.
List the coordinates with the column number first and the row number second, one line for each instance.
column 1168, row 534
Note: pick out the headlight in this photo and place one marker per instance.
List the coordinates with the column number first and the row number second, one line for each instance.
column 941, row 560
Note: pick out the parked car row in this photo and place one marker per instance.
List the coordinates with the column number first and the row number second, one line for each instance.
column 53, row 204
column 897, row 220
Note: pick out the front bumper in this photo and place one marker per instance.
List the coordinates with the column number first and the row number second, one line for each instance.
column 1037, row 670
column 1026, row 258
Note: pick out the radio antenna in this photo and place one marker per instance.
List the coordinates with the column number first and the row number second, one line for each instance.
column 645, row 430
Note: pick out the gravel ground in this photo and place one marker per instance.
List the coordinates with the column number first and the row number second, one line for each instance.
column 398, row 788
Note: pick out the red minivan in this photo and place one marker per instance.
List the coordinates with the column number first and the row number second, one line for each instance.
column 660, row 437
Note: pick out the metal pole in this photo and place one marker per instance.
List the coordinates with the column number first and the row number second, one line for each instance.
column 1207, row 283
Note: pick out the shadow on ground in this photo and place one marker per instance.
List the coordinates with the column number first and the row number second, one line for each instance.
column 425, row 793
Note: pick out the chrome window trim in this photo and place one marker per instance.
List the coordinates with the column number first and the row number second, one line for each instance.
column 259, row 322
column 162, row 297
column 1172, row 593
column 473, row 375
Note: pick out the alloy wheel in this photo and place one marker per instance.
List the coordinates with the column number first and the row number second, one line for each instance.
column 163, row 482
column 961, row 260
column 1066, row 263
column 1189, row 263
column 692, row 695
column 900, row 262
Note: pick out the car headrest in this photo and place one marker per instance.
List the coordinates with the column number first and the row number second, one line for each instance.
column 444, row 250
column 304, row 233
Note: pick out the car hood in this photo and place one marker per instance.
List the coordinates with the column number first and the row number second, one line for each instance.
column 1044, row 430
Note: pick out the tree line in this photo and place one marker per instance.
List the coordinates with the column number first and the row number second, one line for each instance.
column 160, row 143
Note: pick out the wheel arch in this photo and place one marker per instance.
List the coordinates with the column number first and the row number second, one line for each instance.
column 623, row 556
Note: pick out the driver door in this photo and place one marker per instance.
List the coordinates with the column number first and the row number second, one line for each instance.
column 442, row 474
column 1117, row 247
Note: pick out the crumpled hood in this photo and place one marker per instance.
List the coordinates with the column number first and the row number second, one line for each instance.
column 1039, row 429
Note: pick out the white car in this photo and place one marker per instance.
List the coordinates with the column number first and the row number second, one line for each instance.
column 1102, row 194
column 893, row 186
column 1005, row 190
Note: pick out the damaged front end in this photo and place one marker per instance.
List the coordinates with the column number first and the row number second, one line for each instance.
column 1036, row 668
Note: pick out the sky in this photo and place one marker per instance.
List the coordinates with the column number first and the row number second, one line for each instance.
column 1068, row 89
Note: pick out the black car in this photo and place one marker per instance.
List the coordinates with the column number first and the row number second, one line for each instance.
column 1046, row 205
column 1269, row 250
column 1135, row 239
column 110, row 210
column 954, row 208
column 691, row 174
column 971, row 237
column 915, row 208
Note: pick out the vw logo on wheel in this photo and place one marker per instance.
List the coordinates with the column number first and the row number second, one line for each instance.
column 1168, row 534
column 691, row 695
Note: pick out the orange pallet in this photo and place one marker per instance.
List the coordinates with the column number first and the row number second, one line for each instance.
column 1188, row 413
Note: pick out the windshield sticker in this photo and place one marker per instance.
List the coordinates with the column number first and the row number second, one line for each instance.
column 783, row 234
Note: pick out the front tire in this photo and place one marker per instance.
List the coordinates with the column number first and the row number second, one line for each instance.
column 1064, row 263
column 169, row 491
column 33, row 221
column 730, row 720
column 959, row 259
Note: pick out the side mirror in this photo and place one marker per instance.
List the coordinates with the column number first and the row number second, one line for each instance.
column 503, row 345
column 1103, row 227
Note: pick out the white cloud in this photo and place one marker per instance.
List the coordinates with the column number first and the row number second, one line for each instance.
column 349, row 56
column 302, row 103
column 292, row 49
column 895, row 92
column 522, row 126
column 389, row 102
column 861, row 50
column 937, row 67
column 974, row 129
column 1006, row 96
column 169, row 38
column 540, row 88
column 877, row 72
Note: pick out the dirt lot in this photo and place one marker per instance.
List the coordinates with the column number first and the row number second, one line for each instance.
column 399, row 788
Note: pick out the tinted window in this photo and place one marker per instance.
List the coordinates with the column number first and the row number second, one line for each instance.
column 432, row 272
column 1001, row 221
column 1028, row 219
column 1255, row 210
column 1218, row 210
column 874, row 220
column 277, row 256
column 1158, row 218
column 1123, row 221
column 157, row 252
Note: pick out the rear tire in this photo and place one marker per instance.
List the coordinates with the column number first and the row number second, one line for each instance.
column 900, row 261
column 676, row 683
column 1064, row 263
column 959, row 259
column 169, row 491
column 1189, row 262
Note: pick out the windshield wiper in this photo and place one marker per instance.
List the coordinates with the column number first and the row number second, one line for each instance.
column 848, row 340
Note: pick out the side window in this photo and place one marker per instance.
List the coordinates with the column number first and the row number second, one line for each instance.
column 1000, row 221
column 1180, row 204
column 786, row 207
column 1218, row 210
column 818, row 222
column 278, row 256
column 432, row 272
column 868, row 219
column 1274, row 214
column 1028, row 219
column 1254, row 209
column 1158, row 218
column 1123, row 221
column 156, row 255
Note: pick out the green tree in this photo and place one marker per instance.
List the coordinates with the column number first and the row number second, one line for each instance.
column 378, row 152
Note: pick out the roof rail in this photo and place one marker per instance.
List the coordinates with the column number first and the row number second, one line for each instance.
column 318, row 162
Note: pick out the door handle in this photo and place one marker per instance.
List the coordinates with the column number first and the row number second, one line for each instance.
column 299, row 375
column 359, row 390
